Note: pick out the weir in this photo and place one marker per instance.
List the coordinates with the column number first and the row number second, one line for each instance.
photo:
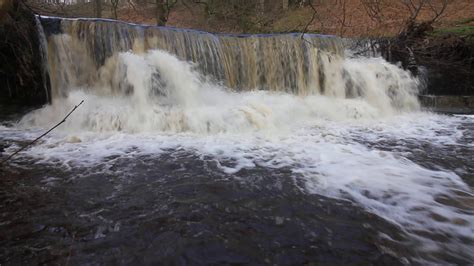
column 167, row 79
column 282, row 62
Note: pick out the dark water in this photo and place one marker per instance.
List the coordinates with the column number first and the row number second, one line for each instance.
column 179, row 208
column 182, row 213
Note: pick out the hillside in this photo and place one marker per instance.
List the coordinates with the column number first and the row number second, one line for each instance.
column 349, row 18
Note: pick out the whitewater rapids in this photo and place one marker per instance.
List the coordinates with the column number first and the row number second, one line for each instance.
column 151, row 103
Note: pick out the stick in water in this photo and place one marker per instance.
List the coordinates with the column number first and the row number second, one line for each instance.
column 31, row 143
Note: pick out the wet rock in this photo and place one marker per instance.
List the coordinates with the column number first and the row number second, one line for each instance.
column 21, row 65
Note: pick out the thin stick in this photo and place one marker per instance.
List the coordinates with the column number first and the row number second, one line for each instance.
column 44, row 134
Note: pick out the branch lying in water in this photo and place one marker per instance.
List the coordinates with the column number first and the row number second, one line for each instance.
column 44, row 134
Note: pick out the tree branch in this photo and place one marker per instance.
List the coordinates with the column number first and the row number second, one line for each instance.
column 44, row 134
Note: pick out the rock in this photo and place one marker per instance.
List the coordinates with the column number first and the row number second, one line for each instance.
column 73, row 139
column 21, row 65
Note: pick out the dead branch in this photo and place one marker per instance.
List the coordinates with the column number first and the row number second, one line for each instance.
column 44, row 134
column 437, row 12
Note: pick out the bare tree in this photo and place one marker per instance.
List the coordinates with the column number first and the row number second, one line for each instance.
column 114, row 5
column 414, row 7
column 437, row 9
column 343, row 17
column 98, row 8
column 163, row 8
column 373, row 9
column 424, row 12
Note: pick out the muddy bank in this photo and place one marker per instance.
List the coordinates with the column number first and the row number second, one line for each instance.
column 21, row 75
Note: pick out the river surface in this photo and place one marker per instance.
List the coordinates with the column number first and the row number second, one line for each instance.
column 396, row 190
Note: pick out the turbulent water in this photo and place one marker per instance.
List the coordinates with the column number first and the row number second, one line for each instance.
column 313, row 156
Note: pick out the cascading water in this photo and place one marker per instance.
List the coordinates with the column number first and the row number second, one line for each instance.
column 44, row 56
column 347, row 128
column 106, row 59
column 271, row 62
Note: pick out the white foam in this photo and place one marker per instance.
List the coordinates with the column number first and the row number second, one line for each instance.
column 327, row 155
column 320, row 137
column 157, row 92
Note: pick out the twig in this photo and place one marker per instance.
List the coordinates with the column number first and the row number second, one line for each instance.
column 44, row 134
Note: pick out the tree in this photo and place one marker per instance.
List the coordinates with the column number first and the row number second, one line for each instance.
column 114, row 4
column 98, row 8
column 433, row 10
column 163, row 8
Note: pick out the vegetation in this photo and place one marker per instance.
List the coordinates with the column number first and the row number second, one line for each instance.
column 426, row 32
column 464, row 28
column 352, row 18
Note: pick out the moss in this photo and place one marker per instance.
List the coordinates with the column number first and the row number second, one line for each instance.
column 464, row 30
column 466, row 21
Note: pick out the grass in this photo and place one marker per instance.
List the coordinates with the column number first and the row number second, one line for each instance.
column 466, row 21
column 463, row 30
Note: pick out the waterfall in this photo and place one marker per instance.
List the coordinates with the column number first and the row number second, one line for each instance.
column 44, row 56
column 283, row 62
column 166, row 76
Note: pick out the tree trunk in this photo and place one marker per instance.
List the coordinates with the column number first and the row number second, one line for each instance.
column 114, row 4
column 98, row 8
column 161, row 12
column 285, row 4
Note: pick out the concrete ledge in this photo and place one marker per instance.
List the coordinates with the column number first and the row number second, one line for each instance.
column 448, row 103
